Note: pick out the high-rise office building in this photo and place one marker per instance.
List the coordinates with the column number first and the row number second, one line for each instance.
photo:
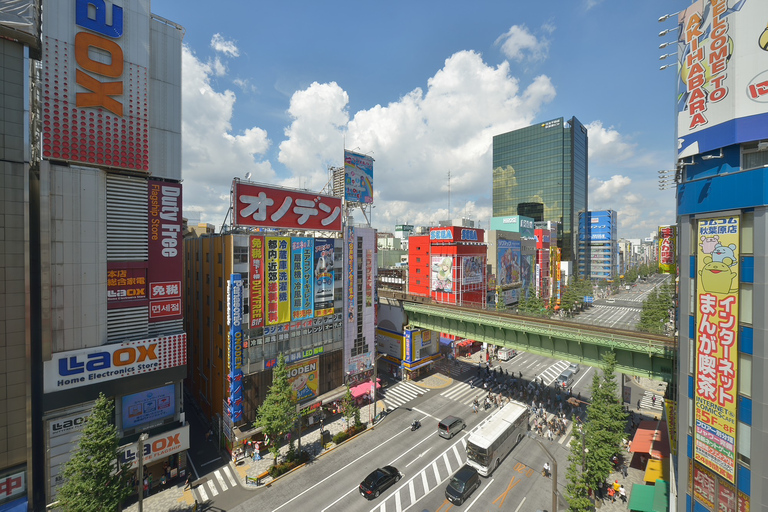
column 722, row 212
column 598, row 250
column 541, row 172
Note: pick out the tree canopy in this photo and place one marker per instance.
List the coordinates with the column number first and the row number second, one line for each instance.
column 277, row 415
column 93, row 479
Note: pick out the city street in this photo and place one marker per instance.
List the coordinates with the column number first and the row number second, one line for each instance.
column 621, row 310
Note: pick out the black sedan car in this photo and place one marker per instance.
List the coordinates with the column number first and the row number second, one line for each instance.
column 378, row 482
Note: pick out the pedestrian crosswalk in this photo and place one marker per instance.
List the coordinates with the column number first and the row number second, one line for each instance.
column 451, row 367
column 217, row 482
column 613, row 306
column 400, row 394
column 648, row 402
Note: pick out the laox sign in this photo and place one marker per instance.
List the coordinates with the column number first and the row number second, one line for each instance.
column 157, row 447
column 103, row 360
column 102, row 37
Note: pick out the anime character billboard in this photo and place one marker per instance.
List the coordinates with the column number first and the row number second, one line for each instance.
column 442, row 274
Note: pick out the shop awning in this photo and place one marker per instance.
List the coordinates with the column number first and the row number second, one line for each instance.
column 416, row 367
column 363, row 389
column 641, row 498
column 661, row 496
column 445, row 341
column 660, row 448
column 464, row 343
column 653, row 472
column 644, row 437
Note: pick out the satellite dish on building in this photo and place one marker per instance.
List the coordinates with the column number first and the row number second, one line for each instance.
column 247, row 176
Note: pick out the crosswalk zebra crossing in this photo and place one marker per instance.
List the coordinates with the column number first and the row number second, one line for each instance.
column 647, row 402
column 400, row 394
column 219, row 481
column 613, row 306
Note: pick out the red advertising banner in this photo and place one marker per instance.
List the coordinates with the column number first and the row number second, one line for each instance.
column 704, row 487
column 259, row 205
column 257, row 280
column 726, row 497
column 164, row 268
column 126, row 284
column 743, row 502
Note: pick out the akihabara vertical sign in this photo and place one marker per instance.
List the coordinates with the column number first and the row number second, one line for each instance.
column 164, row 269
column 717, row 320
column 95, row 82
column 302, row 298
column 257, row 280
column 723, row 76
column 323, row 276
column 235, row 347
column 278, row 280
column 667, row 239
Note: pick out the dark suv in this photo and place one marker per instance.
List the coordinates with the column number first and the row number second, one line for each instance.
column 379, row 481
column 462, row 484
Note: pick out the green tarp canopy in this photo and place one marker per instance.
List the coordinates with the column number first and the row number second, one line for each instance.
column 641, row 498
column 650, row 498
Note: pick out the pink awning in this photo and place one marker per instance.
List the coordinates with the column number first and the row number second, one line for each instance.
column 363, row 389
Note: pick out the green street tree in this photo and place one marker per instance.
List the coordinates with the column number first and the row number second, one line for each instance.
column 94, row 480
column 576, row 488
column 277, row 415
column 606, row 422
column 349, row 410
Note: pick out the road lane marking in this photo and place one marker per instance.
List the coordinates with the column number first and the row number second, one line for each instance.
column 212, row 486
column 340, row 498
column 521, row 504
column 412, row 492
column 425, row 482
column 201, row 491
column 481, row 493
column 222, row 483
column 377, row 447
column 417, row 457
column 424, row 413
column 398, row 505
column 447, row 463
column 456, row 452
column 231, row 478
column 437, row 473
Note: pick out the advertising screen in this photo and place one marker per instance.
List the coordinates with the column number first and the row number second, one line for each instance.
column 358, row 177
column 272, row 207
column 304, row 379
column 324, row 276
column 302, row 294
column 96, row 86
column 717, row 318
column 278, row 280
column 723, row 77
column 509, row 262
column 472, row 269
column 153, row 405
column 442, row 274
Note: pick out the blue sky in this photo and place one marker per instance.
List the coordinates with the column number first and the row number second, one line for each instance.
column 278, row 89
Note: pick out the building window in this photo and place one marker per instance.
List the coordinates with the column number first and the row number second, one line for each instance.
column 752, row 157
column 221, row 307
column 747, row 229
column 219, row 258
column 744, row 442
column 745, row 375
column 745, row 303
column 240, row 254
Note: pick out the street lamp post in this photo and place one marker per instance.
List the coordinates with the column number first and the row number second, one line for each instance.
column 142, row 438
column 554, row 469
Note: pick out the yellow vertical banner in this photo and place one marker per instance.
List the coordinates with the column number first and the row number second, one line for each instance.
column 278, row 280
column 717, row 312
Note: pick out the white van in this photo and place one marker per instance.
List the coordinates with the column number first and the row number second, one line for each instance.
column 505, row 354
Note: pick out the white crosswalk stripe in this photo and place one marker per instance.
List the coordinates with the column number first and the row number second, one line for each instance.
column 613, row 306
column 647, row 401
column 400, row 394
column 215, row 484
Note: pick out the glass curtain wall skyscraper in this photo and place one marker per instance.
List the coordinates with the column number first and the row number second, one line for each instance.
column 541, row 172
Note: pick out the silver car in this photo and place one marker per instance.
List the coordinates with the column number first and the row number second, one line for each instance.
column 574, row 368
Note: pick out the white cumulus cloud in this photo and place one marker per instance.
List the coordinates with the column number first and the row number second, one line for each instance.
column 221, row 45
column 518, row 43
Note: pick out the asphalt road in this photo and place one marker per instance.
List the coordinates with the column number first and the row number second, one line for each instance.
column 425, row 460
column 622, row 310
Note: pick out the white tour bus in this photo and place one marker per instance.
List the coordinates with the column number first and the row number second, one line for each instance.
column 495, row 437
